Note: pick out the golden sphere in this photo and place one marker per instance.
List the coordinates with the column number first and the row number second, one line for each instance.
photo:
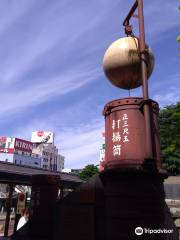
column 122, row 65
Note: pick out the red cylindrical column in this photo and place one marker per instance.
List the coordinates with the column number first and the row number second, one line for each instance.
column 125, row 133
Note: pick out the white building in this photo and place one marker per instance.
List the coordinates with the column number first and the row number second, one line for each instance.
column 102, row 153
column 44, row 146
column 102, row 149
column 18, row 151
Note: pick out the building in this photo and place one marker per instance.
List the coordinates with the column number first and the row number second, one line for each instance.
column 102, row 153
column 43, row 145
column 76, row 171
column 51, row 159
column 18, row 151
column 40, row 152
column 102, row 149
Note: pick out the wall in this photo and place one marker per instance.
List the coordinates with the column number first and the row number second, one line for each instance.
column 27, row 160
column 6, row 157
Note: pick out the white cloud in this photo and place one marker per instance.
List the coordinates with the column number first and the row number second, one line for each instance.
column 50, row 33
column 169, row 93
column 17, row 100
column 64, row 39
column 168, row 98
column 13, row 11
column 161, row 16
column 81, row 145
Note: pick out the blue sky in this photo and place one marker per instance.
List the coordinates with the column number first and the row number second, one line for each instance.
column 51, row 67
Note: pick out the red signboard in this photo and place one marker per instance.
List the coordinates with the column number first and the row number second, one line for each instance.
column 23, row 145
column 6, row 150
column 40, row 133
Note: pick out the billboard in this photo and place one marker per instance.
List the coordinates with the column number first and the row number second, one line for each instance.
column 42, row 136
column 6, row 150
column 23, row 145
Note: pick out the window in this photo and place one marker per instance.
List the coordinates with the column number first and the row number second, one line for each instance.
column 9, row 144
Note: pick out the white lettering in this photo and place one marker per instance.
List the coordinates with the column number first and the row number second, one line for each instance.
column 113, row 124
column 125, row 131
column 116, row 124
column 116, row 137
column 125, row 116
column 23, row 145
column 125, row 123
column 125, row 139
column 116, row 150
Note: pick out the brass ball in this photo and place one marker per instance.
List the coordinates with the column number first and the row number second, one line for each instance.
column 122, row 64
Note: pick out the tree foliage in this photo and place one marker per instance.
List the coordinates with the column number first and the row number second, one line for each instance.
column 169, row 121
column 88, row 171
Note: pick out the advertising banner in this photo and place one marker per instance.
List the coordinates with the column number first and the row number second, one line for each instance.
column 23, row 145
column 6, row 150
column 42, row 136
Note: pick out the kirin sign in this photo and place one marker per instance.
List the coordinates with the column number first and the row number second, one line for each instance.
column 23, row 145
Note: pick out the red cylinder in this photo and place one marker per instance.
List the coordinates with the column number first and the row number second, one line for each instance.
column 125, row 133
